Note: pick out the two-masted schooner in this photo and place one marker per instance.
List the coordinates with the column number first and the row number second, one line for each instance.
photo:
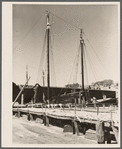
column 103, row 96
column 77, row 95
column 80, row 97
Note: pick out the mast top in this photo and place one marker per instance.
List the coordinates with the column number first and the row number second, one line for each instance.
column 47, row 16
column 81, row 36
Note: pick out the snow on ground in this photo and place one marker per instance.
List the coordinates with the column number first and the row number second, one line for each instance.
column 31, row 132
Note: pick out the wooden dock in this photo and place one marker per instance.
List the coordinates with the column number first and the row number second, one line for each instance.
column 77, row 117
column 88, row 115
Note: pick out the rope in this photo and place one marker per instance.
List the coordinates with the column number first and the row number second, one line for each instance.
column 90, row 63
column 96, row 54
column 27, row 33
column 42, row 59
column 72, row 68
column 66, row 21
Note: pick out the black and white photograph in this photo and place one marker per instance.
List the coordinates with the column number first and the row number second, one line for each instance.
column 61, row 74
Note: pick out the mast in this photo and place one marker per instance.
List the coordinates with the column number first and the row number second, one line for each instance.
column 82, row 64
column 48, row 69
column 27, row 74
column 43, row 79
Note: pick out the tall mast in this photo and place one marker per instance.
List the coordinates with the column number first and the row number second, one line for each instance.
column 43, row 79
column 48, row 66
column 82, row 64
column 27, row 74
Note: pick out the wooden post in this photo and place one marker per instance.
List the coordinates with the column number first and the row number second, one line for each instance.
column 75, row 109
column 76, row 127
column 116, row 133
column 98, row 110
column 45, row 109
column 44, row 119
column 111, row 117
column 107, row 137
column 47, row 121
column 108, row 133
column 95, row 105
column 73, row 127
column 18, row 114
column 103, row 105
column 74, row 123
column 100, row 132
column 30, row 117
column 28, row 109
column 79, row 99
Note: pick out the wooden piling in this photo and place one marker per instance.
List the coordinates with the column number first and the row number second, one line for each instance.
column 76, row 128
column 47, row 121
column 98, row 110
column 19, row 114
column 108, row 137
column 30, row 117
column 103, row 105
column 100, row 132
column 73, row 127
column 115, row 130
column 95, row 105
column 44, row 119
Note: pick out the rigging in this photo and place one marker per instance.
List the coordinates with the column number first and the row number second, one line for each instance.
column 27, row 33
column 96, row 54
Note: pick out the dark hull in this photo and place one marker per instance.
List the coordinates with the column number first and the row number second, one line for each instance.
column 61, row 95
column 98, row 94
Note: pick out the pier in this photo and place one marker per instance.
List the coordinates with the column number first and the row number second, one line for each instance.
column 88, row 121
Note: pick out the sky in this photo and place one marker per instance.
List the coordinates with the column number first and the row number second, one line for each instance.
column 100, row 26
